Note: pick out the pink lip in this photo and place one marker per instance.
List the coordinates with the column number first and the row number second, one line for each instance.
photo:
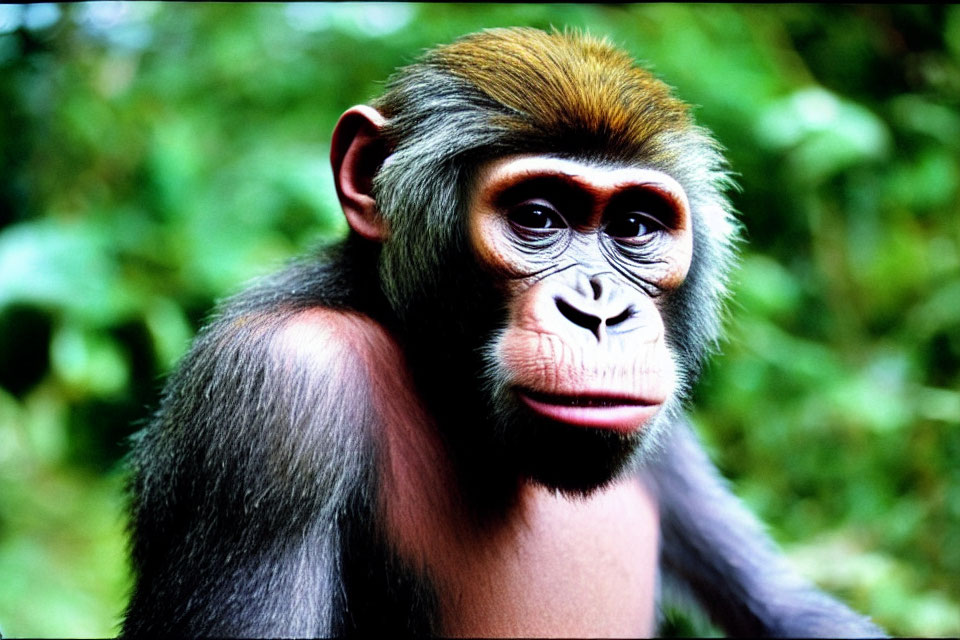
column 601, row 412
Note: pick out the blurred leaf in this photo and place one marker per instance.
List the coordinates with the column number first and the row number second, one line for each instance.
column 823, row 133
column 169, row 329
column 764, row 287
column 918, row 114
column 928, row 182
column 88, row 362
column 66, row 266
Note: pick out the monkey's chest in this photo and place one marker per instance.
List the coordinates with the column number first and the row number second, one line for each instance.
column 560, row 567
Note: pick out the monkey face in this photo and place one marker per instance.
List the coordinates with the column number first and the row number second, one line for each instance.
column 584, row 255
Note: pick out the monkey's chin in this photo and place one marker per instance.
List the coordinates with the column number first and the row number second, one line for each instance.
column 566, row 456
column 623, row 415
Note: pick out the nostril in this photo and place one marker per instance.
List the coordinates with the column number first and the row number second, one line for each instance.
column 620, row 317
column 578, row 317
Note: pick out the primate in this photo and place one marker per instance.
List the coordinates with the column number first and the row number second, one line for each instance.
column 466, row 417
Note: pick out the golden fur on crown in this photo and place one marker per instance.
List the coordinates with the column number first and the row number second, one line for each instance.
column 565, row 81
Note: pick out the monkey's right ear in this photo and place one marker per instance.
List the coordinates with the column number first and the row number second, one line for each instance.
column 357, row 150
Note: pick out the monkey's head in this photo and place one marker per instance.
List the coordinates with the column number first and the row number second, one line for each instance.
column 555, row 244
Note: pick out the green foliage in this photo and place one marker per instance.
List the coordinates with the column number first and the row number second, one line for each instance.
column 154, row 157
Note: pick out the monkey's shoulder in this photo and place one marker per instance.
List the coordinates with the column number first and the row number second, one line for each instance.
column 282, row 367
column 320, row 337
column 288, row 378
column 308, row 340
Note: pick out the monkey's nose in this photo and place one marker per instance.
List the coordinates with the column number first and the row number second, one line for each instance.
column 592, row 315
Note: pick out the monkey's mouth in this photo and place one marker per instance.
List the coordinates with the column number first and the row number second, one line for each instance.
column 619, row 413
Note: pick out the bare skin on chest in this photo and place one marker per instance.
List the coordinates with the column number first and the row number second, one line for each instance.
column 551, row 566
column 558, row 567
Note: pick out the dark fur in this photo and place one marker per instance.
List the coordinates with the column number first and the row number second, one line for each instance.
column 714, row 549
column 253, row 489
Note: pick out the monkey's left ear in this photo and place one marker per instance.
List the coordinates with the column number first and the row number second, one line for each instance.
column 357, row 151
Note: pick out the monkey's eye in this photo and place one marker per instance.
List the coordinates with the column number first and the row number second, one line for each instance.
column 536, row 214
column 632, row 225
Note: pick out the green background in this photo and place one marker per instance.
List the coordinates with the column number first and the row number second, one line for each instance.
column 155, row 157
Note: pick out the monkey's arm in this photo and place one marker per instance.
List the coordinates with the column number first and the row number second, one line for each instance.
column 240, row 483
column 711, row 544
